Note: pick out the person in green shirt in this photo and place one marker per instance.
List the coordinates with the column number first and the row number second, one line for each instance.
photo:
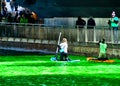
column 114, row 23
column 23, row 19
column 103, row 49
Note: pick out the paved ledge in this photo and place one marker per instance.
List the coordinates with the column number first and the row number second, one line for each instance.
column 88, row 49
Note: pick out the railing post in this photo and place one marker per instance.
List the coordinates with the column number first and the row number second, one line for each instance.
column 86, row 37
column 112, row 36
column 14, row 31
column 78, row 34
column 94, row 34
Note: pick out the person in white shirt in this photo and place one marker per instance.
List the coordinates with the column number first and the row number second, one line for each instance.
column 63, row 49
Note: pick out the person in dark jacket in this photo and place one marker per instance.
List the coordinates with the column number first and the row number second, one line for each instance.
column 90, row 28
column 91, row 23
column 80, row 22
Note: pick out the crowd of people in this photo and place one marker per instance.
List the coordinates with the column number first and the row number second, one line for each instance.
column 81, row 23
column 23, row 16
column 113, row 23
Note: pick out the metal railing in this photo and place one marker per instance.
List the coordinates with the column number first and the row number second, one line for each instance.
column 41, row 32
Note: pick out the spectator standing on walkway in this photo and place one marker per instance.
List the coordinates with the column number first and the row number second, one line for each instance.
column 4, row 9
column 80, row 24
column 9, row 18
column 114, row 24
column 90, row 28
column 91, row 23
column 23, row 19
column 12, row 5
column 16, row 17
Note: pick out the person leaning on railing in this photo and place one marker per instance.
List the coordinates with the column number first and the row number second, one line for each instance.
column 80, row 23
column 91, row 23
column 90, row 28
column 114, row 21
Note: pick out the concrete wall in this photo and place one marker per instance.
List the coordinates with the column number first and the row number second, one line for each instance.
column 94, row 51
column 76, row 49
